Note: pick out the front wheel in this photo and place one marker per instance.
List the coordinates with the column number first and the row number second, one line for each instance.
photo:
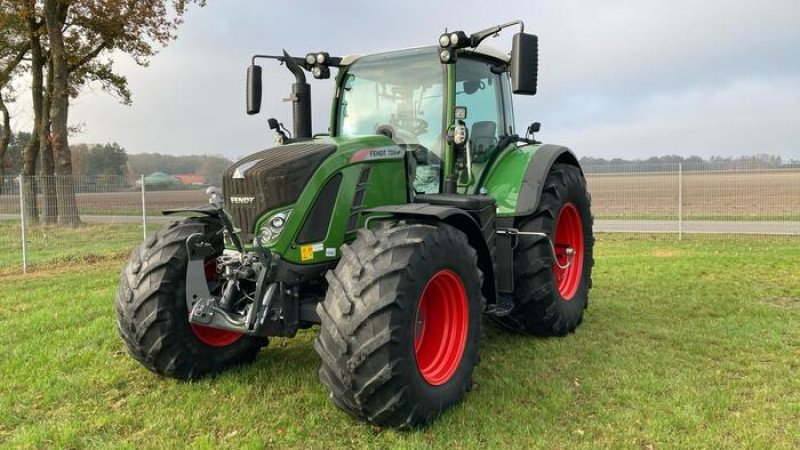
column 400, row 324
column 550, row 296
column 152, row 316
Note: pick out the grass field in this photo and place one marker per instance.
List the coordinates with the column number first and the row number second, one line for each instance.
column 48, row 245
column 684, row 345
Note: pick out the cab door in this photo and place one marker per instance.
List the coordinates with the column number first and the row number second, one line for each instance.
column 487, row 97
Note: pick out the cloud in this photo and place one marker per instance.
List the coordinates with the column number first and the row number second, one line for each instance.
column 740, row 118
column 617, row 78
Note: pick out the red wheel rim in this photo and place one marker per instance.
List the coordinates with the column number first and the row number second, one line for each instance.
column 214, row 337
column 569, row 235
column 440, row 327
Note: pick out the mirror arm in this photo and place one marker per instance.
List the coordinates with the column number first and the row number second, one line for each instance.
column 478, row 37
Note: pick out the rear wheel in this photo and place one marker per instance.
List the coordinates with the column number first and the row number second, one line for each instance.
column 152, row 316
column 550, row 297
column 400, row 324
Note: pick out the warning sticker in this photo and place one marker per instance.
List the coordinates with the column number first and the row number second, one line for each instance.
column 306, row 252
column 317, row 247
column 330, row 252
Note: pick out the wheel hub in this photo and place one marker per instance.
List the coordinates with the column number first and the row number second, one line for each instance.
column 568, row 267
column 441, row 324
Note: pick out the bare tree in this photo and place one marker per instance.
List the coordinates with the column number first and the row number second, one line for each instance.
column 5, row 139
column 70, row 43
column 14, row 46
column 81, row 34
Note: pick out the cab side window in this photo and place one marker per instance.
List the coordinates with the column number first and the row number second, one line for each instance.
column 480, row 91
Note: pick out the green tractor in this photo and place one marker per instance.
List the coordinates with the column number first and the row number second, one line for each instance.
column 419, row 212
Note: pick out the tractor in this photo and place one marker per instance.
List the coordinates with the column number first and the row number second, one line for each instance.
column 420, row 211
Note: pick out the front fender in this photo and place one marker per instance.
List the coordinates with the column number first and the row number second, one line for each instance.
column 516, row 178
column 457, row 218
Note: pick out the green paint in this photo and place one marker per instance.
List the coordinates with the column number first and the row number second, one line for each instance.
column 504, row 181
column 449, row 160
column 386, row 186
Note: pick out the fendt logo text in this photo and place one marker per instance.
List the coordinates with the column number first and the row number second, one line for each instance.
column 243, row 200
column 389, row 152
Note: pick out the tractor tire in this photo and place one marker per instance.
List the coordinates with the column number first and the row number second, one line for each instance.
column 152, row 316
column 400, row 324
column 547, row 300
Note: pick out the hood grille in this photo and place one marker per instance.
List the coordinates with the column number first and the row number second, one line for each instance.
column 269, row 179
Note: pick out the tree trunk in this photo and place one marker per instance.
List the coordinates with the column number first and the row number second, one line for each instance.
column 50, row 209
column 55, row 13
column 5, row 139
column 31, row 152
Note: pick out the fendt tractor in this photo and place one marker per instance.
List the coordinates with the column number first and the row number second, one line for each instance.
column 419, row 211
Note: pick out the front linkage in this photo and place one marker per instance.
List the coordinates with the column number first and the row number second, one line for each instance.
column 271, row 305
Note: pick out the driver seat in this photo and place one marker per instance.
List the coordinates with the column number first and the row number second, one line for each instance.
column 483, row 138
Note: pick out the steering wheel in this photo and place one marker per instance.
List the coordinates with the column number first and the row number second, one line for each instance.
column 386, row 130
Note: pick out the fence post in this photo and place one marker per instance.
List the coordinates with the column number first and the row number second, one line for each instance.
column 680, row 201
column 22, row 222
column 144, row 211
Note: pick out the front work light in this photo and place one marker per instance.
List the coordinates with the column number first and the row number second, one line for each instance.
column 459, row 39
column 447, row 55
column 321, row 72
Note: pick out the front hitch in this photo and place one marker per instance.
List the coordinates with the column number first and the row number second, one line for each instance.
column 215, row 311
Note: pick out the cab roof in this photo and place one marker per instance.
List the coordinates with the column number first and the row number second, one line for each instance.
column 483, row 50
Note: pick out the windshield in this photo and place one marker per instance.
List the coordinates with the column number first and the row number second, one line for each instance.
column 398, row 94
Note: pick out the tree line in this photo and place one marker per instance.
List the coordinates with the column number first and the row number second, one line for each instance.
column 111, row 161
column 669, row 162
column 57, row 48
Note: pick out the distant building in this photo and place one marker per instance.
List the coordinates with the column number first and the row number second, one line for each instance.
column 193, row 179
column 159, row 179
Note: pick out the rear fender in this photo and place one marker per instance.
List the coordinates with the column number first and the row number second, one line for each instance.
column 517, row 178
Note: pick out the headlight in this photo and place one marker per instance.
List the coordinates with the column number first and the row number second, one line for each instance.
column 271, row 228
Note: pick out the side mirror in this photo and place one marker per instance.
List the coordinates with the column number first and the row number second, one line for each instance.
column 253, row 89
column 524, row 63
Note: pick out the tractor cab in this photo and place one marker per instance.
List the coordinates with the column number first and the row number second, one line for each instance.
column 405, row 95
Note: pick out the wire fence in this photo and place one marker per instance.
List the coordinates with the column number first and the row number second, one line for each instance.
column 111, row 214
column 709, row 198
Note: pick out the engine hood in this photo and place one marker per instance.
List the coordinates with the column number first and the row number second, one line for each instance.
column 269, row 179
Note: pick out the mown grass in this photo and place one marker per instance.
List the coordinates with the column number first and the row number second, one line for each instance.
column 48, row 244
column 685, row 344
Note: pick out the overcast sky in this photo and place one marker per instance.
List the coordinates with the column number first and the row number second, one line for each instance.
column 628, row 79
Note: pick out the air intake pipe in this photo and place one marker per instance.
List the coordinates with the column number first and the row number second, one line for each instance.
column 301, row 99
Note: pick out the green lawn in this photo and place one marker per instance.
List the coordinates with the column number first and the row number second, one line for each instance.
column 48, row 245
column 685, row 344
